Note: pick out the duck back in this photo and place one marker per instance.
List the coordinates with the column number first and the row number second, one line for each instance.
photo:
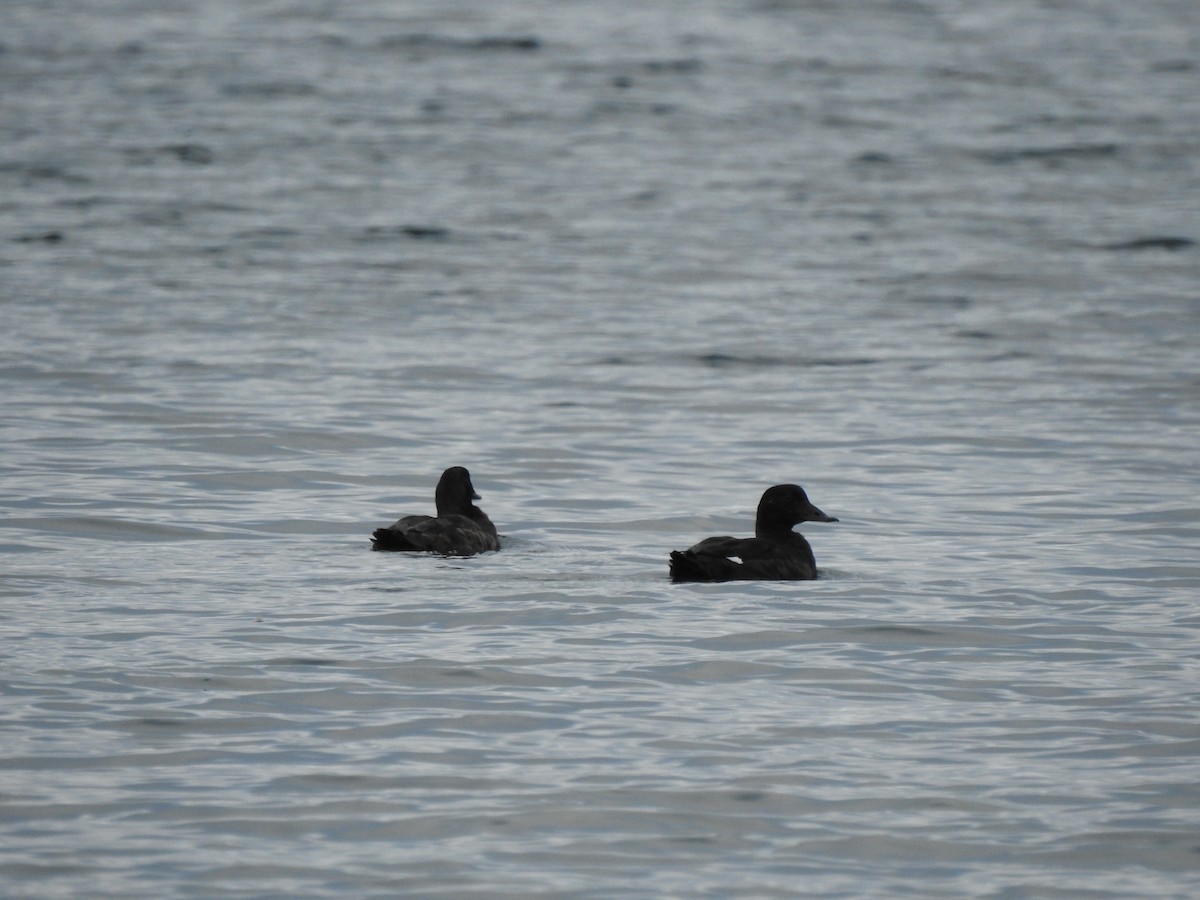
column 453, row 535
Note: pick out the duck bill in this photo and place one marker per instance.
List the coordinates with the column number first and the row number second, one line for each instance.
column 815, row 515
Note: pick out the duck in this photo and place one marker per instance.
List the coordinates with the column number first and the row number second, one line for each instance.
column 460, row 528
column 775, row 553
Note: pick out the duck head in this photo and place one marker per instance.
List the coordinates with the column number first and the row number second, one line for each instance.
column 784, row 506
column 454, row 492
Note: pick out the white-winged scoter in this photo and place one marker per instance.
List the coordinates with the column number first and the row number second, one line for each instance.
column 460, row 528
column 775, row 553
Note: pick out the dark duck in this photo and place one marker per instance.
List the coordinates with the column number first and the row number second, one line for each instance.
column 775, row 553
column 460, row 528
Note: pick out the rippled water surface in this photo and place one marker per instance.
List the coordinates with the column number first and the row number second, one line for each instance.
column 267, row 268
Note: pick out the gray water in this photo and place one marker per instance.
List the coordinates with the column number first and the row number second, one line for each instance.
column 267, row 267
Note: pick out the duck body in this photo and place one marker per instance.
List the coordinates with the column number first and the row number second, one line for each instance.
column 775, row 553
column 745, row 559
column 460, row 528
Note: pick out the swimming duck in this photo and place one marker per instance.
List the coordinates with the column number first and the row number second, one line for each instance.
column 460, row 528
column 775, row 553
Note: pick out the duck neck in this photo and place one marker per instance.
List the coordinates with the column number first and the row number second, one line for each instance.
column 449, row 505
column 773, row 527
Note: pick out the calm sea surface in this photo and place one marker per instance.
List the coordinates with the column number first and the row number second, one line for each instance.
column 266, row 268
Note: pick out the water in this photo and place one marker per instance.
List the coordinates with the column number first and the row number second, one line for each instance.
column 267, row 268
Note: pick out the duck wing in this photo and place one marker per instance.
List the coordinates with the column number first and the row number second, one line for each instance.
column 403, row 534
column 709, row 560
